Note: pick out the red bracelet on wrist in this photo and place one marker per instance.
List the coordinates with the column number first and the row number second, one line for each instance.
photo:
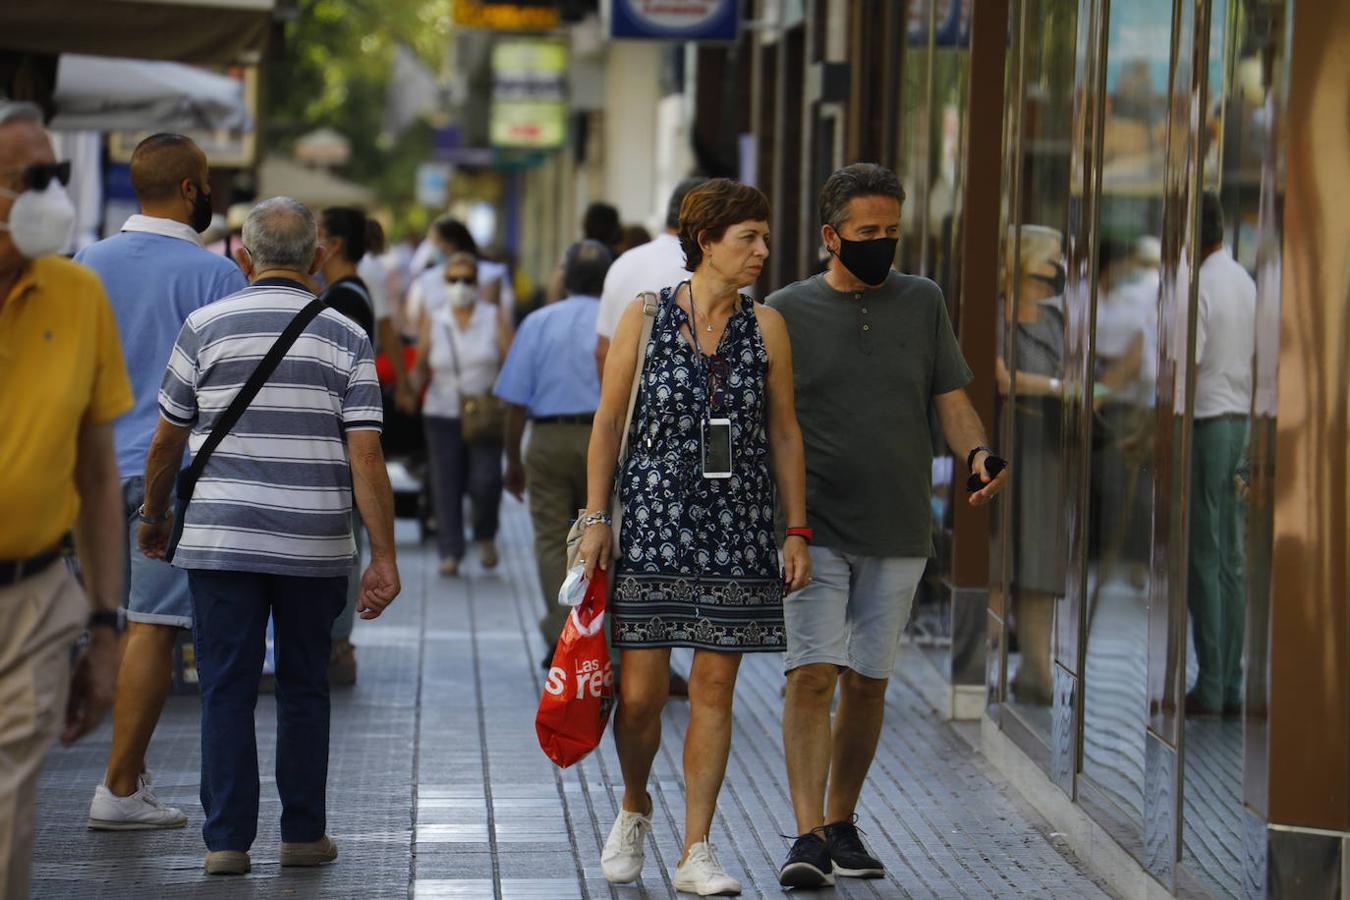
column 805, row 534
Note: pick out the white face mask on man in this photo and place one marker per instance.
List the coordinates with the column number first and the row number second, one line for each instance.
column 40, row 222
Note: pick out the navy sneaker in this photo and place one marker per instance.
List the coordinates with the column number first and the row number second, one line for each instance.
column 851, row 857
column 808, row 864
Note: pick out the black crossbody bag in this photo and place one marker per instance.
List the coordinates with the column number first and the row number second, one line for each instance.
column 187, row 477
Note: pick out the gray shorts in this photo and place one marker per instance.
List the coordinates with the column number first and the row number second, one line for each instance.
column 157, row 593
column 852, row 613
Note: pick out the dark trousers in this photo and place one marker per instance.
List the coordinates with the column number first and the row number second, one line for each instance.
column 230, row 611
column 456, row 469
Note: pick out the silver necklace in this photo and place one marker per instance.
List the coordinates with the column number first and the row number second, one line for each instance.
column 694, row 306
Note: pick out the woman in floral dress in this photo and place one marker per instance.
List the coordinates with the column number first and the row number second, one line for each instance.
column 698, row 563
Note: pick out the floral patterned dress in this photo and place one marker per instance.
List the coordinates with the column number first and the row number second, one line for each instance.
column 698, row 564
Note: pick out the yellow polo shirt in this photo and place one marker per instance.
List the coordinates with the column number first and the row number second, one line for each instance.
column 61, row 367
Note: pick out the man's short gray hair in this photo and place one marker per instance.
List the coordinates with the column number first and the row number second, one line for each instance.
column 584, row 267
column 19, row 111
column 857, row 180
column 280, row 233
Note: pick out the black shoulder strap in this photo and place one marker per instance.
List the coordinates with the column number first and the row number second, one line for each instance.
column 255, row 382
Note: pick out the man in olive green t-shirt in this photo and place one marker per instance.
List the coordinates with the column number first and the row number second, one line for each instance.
column 871, row 350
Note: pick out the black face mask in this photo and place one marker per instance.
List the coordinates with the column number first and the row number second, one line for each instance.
column 869, row 261
column 1055, row 281
column 201, row 211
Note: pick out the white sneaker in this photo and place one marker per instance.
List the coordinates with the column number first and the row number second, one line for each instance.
column 142, row 810
column 702, row 874
column 625, row 850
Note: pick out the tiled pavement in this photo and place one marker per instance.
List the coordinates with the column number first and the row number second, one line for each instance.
column 438, row 788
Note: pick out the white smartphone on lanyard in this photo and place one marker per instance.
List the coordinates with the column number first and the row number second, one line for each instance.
column 717, row 448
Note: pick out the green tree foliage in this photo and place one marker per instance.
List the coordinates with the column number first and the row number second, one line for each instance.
column 333, row 71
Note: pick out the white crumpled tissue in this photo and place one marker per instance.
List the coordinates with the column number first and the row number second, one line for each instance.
column 573, row 589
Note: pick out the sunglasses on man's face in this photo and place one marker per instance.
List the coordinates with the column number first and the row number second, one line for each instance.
column 37, row 176
column 457, row 280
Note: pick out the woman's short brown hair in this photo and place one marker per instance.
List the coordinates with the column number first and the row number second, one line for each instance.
column 713, row 207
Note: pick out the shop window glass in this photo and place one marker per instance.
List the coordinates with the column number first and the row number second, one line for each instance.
column 1030, row 368
column 1124, row 371
column 915, row 116
column 1231, row 318
column 936, row 92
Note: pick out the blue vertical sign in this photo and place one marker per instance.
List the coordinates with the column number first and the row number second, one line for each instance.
column 675, row 20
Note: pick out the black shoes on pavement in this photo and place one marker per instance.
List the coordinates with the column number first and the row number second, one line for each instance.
column 814, row 861
column 851, row 857
column 808, row 864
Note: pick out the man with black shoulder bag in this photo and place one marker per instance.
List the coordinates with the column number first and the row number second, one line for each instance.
column 275, row 396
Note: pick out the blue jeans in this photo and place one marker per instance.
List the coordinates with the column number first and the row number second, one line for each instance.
column 230, row 611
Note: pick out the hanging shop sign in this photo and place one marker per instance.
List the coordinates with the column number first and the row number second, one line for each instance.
column 433, row 185
column 524, row 15
column 529, row 93
column 675, row 20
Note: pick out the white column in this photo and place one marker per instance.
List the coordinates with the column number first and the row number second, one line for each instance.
column 632, row 98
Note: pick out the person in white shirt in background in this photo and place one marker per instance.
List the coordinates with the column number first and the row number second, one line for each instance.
column 651, row 266
column 459, row 354
column 1126, row 374
column 397, row 261
column 377, row 277
column 1127, row 318
column 1225, row 338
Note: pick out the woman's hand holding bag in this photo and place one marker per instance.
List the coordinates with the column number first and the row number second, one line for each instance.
column 595, row 546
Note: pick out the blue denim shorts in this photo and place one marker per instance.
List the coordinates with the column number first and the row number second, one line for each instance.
column 156, row 592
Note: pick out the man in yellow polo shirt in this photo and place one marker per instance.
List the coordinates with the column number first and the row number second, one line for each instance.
column 62, row 382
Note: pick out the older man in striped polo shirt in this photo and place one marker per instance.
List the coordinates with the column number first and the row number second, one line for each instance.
column 268, row 529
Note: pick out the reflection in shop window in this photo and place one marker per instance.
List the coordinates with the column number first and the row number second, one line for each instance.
column 1032, row 353
column 1125, row 375
column 1035, row 373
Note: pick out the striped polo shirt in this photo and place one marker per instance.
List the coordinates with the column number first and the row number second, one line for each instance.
column 276, row 495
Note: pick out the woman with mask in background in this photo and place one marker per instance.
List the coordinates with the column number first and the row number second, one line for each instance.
column 1038, row 493
column 462, row 342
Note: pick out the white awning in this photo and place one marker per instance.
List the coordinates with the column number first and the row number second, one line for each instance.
column 105, row 94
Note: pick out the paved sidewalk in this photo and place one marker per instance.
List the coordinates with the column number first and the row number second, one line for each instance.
column 438, row 787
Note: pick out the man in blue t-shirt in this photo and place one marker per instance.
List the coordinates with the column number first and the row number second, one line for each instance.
column 156, row 273
column 550, row 376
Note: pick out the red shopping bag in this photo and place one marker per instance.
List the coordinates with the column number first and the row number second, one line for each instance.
column 579, row 692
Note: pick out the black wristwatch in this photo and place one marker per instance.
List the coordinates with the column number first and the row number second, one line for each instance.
column 970, row 457
column 107, row 618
